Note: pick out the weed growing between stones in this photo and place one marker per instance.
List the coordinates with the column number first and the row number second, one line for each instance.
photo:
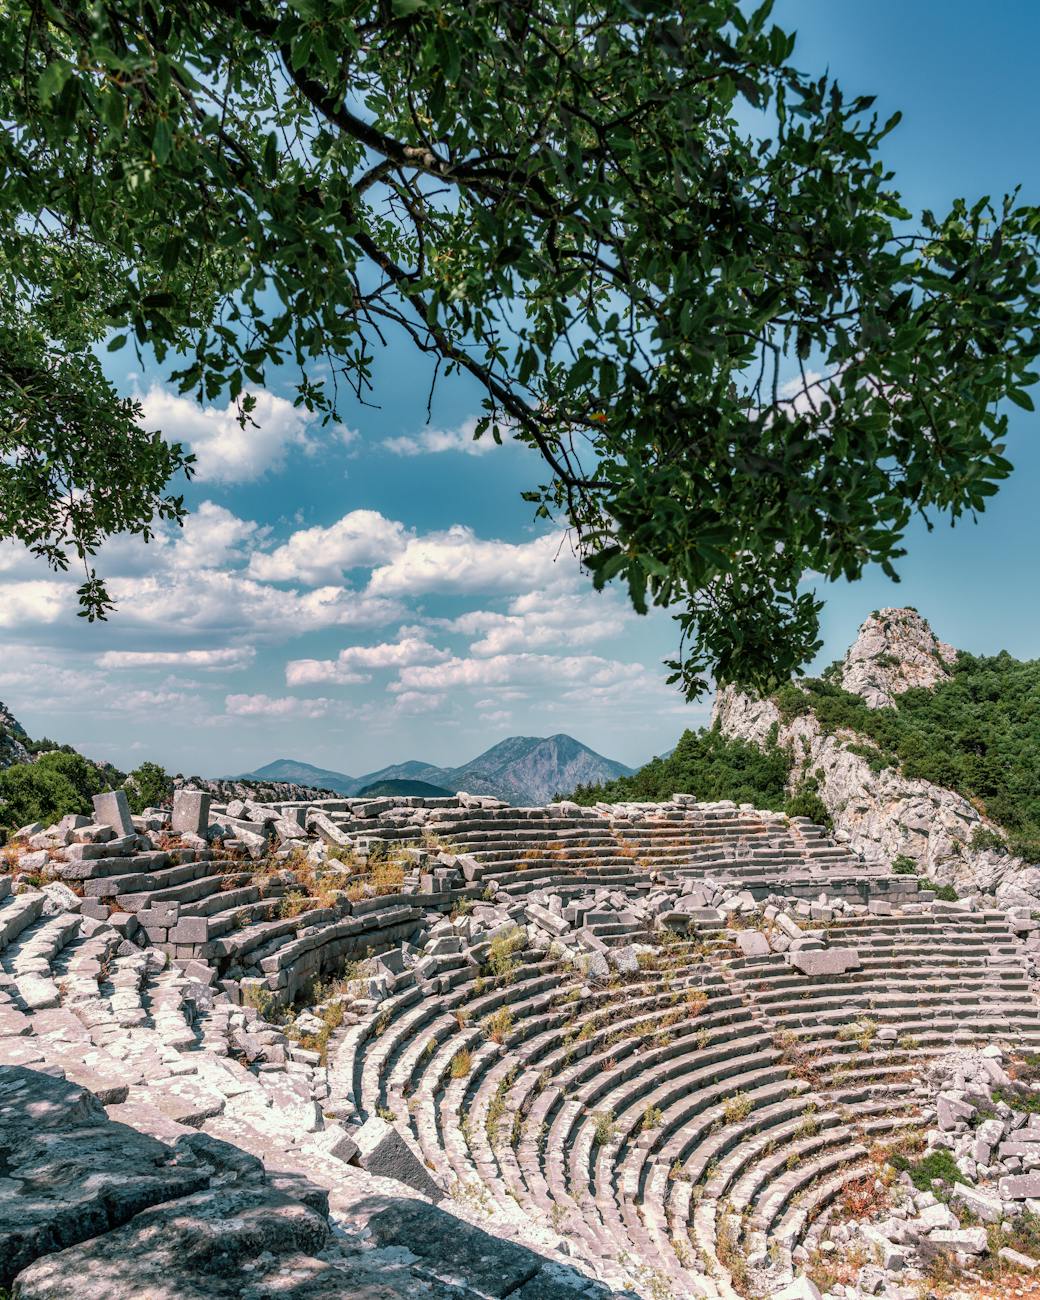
column 737, row 1107
column 604, row 1127
column 497, row 1026
column 461, row 1063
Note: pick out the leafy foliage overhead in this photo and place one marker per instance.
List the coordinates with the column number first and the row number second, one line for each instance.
column 562, row 199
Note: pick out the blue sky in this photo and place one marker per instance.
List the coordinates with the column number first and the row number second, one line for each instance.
column 379, row 593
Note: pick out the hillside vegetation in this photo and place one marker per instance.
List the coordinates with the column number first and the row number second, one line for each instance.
column 977, row 732
column 712, row 766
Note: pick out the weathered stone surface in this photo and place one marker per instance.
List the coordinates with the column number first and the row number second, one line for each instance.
column 68, row 1172
column 190, row 812
column 201, row 1246
column 382, row 1150
column 823, row 961
column 454, row 1251
column 112, row 809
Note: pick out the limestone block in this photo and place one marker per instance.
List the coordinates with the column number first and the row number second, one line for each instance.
column 625, row 960
column 335, row 1141
column 382, row 1150
column 752, row 943
column 802, row 1288
column 112, row 809
column 972, row 1241
column 1019, row 1187
column 950, row 1112
column 825, row 961
column 937, row 1216
column 1016, row 1259
column 190, row 812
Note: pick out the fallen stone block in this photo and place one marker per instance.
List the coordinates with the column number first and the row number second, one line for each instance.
column 972, row 1241
column 1019, row 1187
column 823, row 961
column 752, row 943
column 382, row 1150
column 112, row 809
column 190, row 812
column 802, row 1288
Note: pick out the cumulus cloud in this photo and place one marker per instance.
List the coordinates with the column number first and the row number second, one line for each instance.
column 266, row 706
column 459, row 561
column 225, row 452
column 351, row 662
column 223, row 659
column 212, row 538
column 229, row 603
column 360, row 539
column 433, row 441
column 42, row 601
column 518, row 669
column 539, row 618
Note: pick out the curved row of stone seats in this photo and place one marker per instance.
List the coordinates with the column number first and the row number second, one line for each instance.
column 920, row 974
column 523, row 1119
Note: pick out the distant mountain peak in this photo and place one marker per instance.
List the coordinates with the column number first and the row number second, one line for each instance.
column 519, row 769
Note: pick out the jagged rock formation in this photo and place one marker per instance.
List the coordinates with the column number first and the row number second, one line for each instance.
column 646, row 1047
column 894, row 651
column 883, row 814
column 12, row 739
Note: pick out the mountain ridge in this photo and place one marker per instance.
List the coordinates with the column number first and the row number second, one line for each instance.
column 518, row 769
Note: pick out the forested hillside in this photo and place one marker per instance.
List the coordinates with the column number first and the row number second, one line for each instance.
column 977, row 732
column 711, row 766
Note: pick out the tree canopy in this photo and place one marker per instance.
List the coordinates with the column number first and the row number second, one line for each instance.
column 675, row 265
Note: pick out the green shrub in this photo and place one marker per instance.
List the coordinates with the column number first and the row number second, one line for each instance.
column 147, row 786
column 946, row 893
column 903, row 865
column 983, row 838
column 877, row 760
column 791, row 702
column 937, row 1164
column 57, row 783
column 709, row 766
column 806, row 802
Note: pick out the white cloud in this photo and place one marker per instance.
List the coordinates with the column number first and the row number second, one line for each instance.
column 519, row 669
column 228, row 658
column 212, row 538
column 41, row 601
column 225, row 451
column 360, row 539
column 349, row 665
column 459, row 561
column 413, row 702
column 433, row 441
column 229, row 603
column 538, row 618
column 264, row 706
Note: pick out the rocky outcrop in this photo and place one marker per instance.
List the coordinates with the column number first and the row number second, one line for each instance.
column 894, row 651
column 12, row 739
column 883, row 814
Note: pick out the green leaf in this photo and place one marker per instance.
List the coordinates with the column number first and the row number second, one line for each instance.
column 52, row 79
